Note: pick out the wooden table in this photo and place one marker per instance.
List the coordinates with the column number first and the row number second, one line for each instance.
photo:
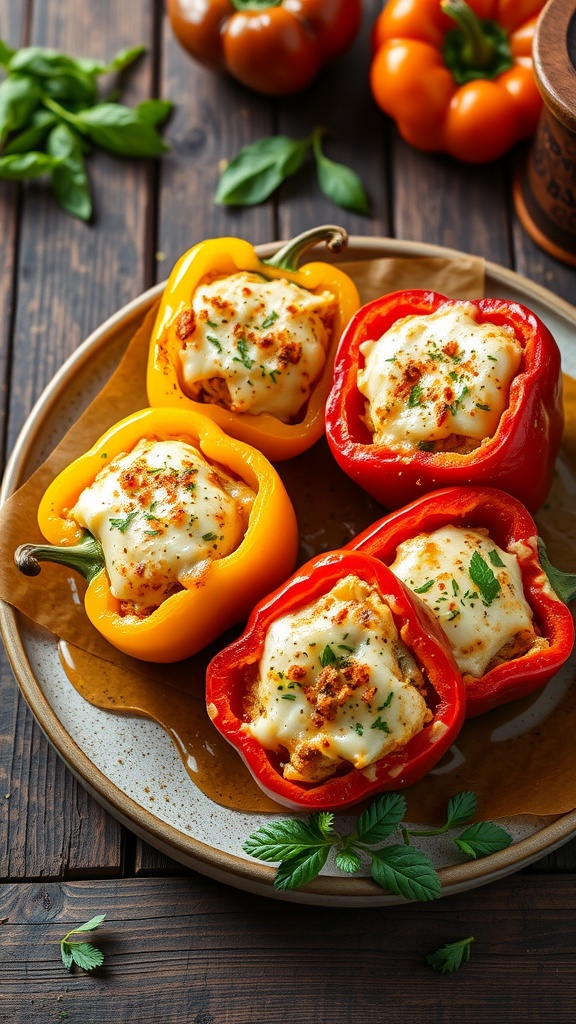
column 180, row 947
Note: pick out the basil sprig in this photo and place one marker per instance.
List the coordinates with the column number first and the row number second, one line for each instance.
column 301, row 847
column 260, row 168
column 50, row 112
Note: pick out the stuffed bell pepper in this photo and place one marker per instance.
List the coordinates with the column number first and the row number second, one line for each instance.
column 457, row 76
column 177, row 528
column 251, row 342
column 473, row 555
column 430, row 392
column 342, row 685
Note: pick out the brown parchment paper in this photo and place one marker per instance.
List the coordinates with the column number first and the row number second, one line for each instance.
column 529, row 769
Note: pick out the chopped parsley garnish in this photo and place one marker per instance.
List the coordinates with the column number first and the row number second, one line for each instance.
column 453, row 614
column 214, row 341
column 269, row 320
column 273, row 374
column 327, row 657
column 480, row 405
column 425, row 446
column 243, row 358
column 425, row 586
column 387, row 702
column 122, row 524
column 210, row 323
column 455, row 405
column 380, row 724
column 481, row 574
column 495, row 559
column 415, row 396
column 209, row 536
column 359, row 728
column 288, row 696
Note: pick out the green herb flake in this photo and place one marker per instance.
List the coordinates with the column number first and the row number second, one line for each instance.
column 214, row 341
column 387, row 702
column 243, row 358
column 270, row 319
column 481, row 574
column 424, row 588
column 122, row 524
column 381, row 725
column 415, row 396
column 495, row 559
column 209, row 536
column 480, row 405
column 327, row 656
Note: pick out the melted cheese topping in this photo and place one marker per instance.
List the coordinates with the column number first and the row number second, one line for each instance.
column 336, row 684
column 161, row 512
column 255, row 345
column 432, row 377
column 474, row 589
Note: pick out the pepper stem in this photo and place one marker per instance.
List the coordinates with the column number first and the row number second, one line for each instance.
column 287, row 257
column 476, row 48
column 563, row 583
column 87, row 557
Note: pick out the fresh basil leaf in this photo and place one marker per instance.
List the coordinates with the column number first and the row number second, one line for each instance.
column 483, row 577
column 6, row 53
column 340, row 184
column 405, row 872
column 348, row 861
column 154, row 111
column 69, row 178
column 461, row 808
column 63, row 78
column 124, row 58
column 19, row 97
column 259, row 169
column 482, row 839
column 381, row 818
column 26, row 165
column 562, row 583
column 285, row 839
column 119, row 130
column 292, row 874
column 33, row 136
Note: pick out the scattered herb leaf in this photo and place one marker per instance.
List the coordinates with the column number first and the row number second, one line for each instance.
column 259, row 169
column 301, row 846
column 481, row 574
column 451, row 956
column 83, row 954
column 50, row 109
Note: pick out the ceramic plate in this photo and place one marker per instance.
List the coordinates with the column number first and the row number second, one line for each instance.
column 127, row 763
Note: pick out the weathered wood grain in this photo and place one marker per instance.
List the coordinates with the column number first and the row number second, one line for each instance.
column 192, row 950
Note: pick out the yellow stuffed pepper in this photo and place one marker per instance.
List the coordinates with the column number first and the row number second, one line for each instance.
column 177, row 528
column 251, row 342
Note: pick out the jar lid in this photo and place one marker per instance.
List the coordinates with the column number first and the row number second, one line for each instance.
column 554, row 60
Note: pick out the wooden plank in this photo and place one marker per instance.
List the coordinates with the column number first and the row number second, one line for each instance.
column 439, row 200
column 339, row 101
column 53, row 828
column 191, row 949
column 214, row 117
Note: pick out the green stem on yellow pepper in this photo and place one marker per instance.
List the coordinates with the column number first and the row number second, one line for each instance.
column 288, row 256
column 87, row 557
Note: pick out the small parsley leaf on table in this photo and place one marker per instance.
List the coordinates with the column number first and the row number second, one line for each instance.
column 451, row 956
column 82, row 953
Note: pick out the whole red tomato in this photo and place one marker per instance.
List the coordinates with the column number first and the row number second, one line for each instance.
column 276, row 47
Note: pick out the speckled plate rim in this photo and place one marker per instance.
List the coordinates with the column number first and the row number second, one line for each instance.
column 228, row 868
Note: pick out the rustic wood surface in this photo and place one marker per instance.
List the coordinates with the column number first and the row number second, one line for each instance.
column 180, row 947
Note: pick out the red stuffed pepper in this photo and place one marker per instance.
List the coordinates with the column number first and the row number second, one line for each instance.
column 342, row 685
column 430, row 392
column 474, row 556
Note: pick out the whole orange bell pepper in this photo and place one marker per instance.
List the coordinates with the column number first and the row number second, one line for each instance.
column 272, row 46
column 457, row 77
column 212, row 600
column 223, row 257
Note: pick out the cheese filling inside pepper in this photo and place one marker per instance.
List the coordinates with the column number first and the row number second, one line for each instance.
column 254, row 345
column 438, row 382
column 336, row 684
column 475, row 590
column 161, row 513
